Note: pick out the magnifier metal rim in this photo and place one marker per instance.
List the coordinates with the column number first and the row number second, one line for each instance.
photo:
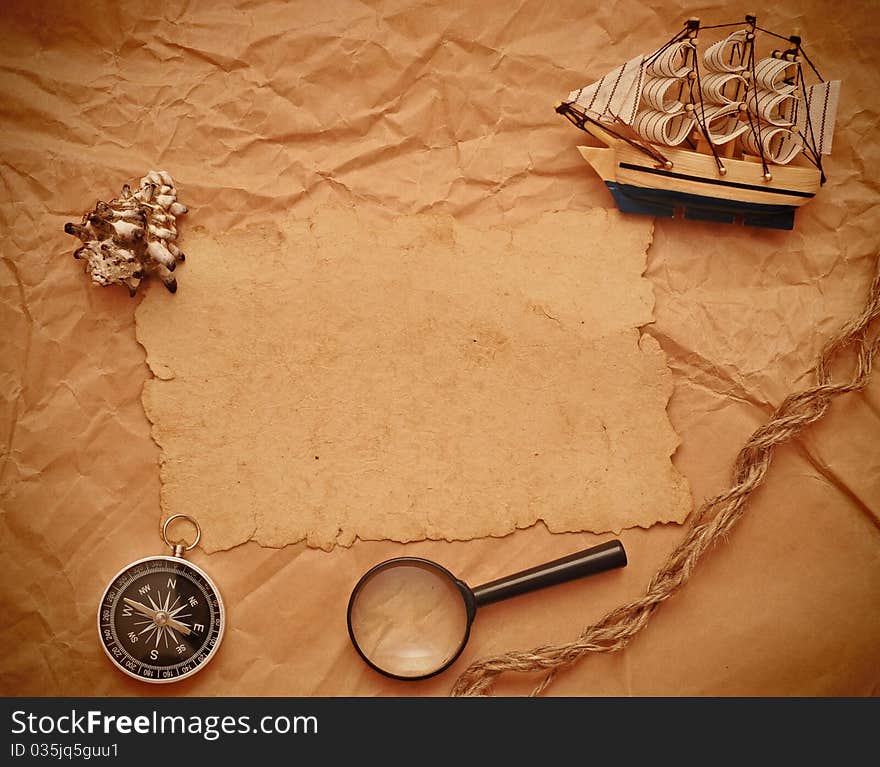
column 466, row 594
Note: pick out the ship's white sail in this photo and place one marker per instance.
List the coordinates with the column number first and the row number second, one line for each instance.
column 663, row 128
column 661, row 117
column 722, row 88
column 722, row 122
column 777, row 109
column 774, row 102
column 776, row 75
column 822, row 100
column 615, row 96
column 661, row 94
column 780, row 145
column 671, row 61
column 727, row 55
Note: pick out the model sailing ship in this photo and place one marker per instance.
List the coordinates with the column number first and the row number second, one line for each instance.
column 721, row 135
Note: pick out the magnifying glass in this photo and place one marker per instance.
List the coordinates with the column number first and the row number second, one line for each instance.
column 410, row 618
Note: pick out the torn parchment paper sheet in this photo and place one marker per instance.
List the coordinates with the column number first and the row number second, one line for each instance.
column 353, row 377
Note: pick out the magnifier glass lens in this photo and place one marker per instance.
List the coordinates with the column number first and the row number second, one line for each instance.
column 409, row 619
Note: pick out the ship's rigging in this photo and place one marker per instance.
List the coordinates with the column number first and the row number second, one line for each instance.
column 730, row 101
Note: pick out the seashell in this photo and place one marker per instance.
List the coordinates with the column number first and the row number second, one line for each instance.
column 130, row 237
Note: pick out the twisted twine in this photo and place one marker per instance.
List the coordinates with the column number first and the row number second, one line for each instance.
column 713, row 520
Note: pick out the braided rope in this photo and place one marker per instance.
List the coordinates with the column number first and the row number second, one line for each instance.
column 712, row 521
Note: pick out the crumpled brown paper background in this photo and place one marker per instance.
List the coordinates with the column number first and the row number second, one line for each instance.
column 264, row 109
column 411, row 379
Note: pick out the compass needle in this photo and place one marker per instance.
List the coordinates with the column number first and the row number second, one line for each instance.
column 141, row 608
column 181, row 627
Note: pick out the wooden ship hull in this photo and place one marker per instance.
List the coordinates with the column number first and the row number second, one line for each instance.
column 694, row 184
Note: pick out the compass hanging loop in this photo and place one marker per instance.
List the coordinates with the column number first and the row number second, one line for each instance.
column 177, row 547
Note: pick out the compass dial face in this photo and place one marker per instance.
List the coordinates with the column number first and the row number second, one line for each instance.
column 161, row 619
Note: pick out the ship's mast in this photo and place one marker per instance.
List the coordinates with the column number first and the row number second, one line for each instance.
column 692, row 25
column 751, row 93
column 703, row 138
column 794, row 54
column 741, row 91
column 808, row 138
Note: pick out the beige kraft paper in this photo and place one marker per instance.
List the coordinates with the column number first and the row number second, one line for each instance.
column 262, row 111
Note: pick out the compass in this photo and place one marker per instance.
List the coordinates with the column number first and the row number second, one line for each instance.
column 161, row 618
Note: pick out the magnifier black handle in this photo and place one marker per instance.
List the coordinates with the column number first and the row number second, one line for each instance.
column 605, row 556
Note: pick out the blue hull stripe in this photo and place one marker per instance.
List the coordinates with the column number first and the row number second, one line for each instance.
column 718, row 181
column 662, row 202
